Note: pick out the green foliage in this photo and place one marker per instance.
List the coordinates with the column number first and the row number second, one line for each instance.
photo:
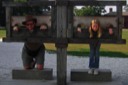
column 2, row 33
column 90, row 11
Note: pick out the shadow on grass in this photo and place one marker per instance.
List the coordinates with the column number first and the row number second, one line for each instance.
column 102, row 53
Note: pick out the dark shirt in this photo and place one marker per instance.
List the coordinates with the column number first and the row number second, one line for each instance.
column 95, row 35
column 94, row 40
column 33, row 47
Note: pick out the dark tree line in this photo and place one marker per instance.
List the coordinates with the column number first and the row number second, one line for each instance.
column 90, row 11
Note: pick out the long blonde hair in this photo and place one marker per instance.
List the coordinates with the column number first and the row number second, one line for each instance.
column 99, row 28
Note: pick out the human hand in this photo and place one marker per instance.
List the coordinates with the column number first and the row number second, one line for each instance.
column 15, row 28
column 43, row 27
column 110, row 31
column 79, row 29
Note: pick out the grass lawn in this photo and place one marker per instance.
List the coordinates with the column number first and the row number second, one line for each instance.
column 111, row 50
column 2, row 33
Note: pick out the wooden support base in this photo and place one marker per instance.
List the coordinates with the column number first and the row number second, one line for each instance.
column 82, row 75
column 46, row 73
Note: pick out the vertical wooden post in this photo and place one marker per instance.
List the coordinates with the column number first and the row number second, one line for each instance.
column 119, row 20
column 53, row 21
column 70, row 22
column 61, row 51
column 61, row 66
column 8, row 21
column 61, row 21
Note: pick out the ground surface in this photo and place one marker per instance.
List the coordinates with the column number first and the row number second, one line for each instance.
column 10, row 58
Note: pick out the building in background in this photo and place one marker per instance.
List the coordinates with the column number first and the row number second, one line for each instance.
column 125, row 16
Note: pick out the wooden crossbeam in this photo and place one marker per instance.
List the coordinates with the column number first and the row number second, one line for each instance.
column 48, row 40
column 69, row 2
column 70, row 40
column 106, row 41
column 95, row 3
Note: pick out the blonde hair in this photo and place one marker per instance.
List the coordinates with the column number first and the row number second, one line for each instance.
column 95, row 21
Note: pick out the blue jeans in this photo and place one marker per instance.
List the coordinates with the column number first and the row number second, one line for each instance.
column 94, row 54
